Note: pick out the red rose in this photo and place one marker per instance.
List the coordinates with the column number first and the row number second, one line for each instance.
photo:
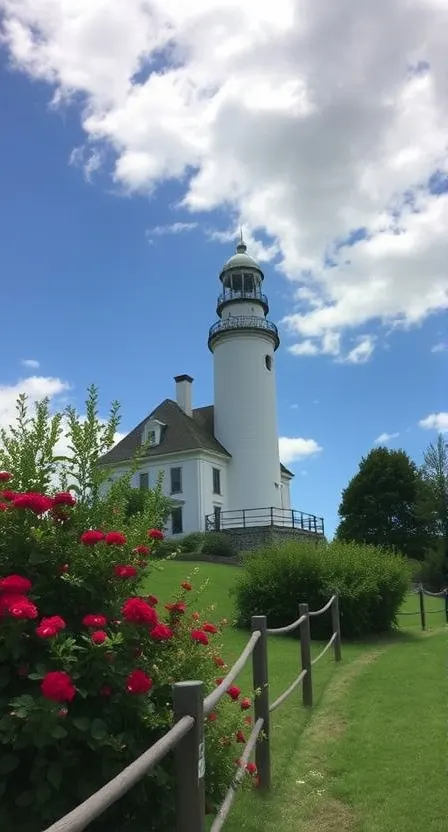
column 219, row 682
column 91, row 537
column 248, row 720
column 37, row 503
column 251, row 768
column 58, row 686
column 9, row 495
column 212, row 717
column 18, row 606
column 50, row 627
column 64, row 498
column 15, row 584
column 4, row 507
column 94, row 620
column 115, row 539
column 98, row 637
column 155, row 534
column 245, row 704
column 152, row 600
column 219, row 662
column 125, row 571
column 63, row 568
column 186, row 585
column 177, row 608
column 138, row 682
column 161, row 632
column 209, row 628
column 233, row 692
column 199, row 636
column 5, row 476
column 240, row 737
column 138, row 611
column 142, row 550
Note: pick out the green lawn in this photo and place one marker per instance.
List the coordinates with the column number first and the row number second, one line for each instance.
column 370, row 755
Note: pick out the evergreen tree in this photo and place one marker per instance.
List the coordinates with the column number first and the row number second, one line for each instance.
column 387, row 503
column 435, row 475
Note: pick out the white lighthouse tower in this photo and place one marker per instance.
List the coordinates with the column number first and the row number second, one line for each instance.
column 243, row 342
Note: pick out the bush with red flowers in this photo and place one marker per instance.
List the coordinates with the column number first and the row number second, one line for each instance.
column 87, row 663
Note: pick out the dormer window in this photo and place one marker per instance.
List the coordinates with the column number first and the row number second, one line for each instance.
column 152, row 433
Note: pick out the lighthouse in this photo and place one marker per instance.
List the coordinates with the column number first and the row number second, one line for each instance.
column 244, row 342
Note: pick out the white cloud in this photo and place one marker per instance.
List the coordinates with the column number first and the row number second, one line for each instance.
column 362, row 352
column 30, row 363
column 384, row 438
column 442, row 346
column 90, row 160
column 435, row 421
column 173, row 228
column 306, row 120
column 294, row 448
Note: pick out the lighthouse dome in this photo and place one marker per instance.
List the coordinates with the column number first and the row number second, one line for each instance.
column 240, row 260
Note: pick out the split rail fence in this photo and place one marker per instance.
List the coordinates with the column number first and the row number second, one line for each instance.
column 423, row 611
column 186, row 737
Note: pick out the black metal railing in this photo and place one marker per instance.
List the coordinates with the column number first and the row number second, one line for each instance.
column 250, row 517
column 243, row 322
column 233, row 294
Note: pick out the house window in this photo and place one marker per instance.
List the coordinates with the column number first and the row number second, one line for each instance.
column 216, row 481
column 176, row 480
column 217, row 513
column 176, row 521
column 144, row 481
column 152, row 437
column 268, row 362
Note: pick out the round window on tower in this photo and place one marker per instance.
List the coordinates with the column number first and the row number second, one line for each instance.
column 268, row 362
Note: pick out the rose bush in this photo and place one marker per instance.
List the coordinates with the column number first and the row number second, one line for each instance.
column 87, row 663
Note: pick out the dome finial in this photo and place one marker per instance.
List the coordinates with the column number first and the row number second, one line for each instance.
column 241, row 247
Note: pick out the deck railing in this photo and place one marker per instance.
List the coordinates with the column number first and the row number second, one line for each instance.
column 186, row 737
column 271, row 516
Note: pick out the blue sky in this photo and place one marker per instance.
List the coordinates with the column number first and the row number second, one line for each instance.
column 94, row 294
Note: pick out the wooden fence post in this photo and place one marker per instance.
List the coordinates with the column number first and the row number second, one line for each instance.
column 189, row 757
column 421, row 596
column 336, row 623
column 261, row 701
column 305, row 652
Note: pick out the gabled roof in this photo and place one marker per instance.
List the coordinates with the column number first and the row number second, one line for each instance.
column 180, row 433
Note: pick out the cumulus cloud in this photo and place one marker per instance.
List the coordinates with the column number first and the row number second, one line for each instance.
column 321, row 126
column 384, row 438
column 435, row 421
column 293, row 449
column 30, row 363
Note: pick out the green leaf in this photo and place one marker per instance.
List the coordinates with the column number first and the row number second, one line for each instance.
column 54, row 775
column 8, row 763
column 98, row 729
column 25, row 799
column 58, row 732
column 36, row 677
column 82, row 723
column 43, row 793
column 40, row 557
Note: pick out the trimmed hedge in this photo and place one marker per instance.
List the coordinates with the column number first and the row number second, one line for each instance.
column 371, row 583
column 217, row 543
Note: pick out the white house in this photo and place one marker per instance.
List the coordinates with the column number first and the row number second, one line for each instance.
column 221, row 463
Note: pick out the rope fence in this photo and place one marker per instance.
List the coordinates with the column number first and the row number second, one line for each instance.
column 423, row 611
column 186, row 737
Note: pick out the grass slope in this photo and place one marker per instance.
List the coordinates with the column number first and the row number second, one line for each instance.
column 370, row 756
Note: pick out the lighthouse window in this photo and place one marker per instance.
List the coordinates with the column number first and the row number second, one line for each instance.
column 237, row 282
column 268, row 362
column 248, row 283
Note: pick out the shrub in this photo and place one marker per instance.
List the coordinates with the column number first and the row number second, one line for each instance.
column 371, row 584
column 193, row 542
column 86, row 663
column 167, row 549
column 218, row 544
column 433, row 572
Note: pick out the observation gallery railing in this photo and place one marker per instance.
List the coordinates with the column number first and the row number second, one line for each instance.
column 186, row 737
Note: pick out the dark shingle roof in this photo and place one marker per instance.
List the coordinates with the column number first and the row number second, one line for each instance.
column 180, row 433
